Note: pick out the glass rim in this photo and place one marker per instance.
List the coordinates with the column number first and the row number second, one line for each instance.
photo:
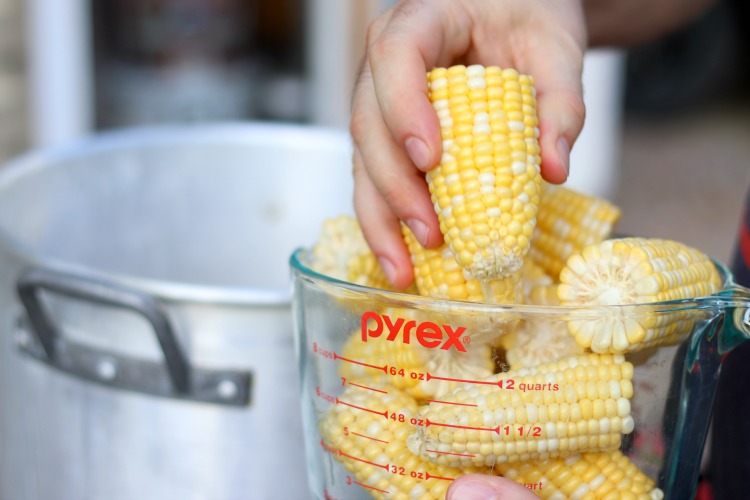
column 404, row 299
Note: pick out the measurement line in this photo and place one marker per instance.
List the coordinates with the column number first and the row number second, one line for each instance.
column 430, row 476
column 467, row 381
column 342, row 454
column 368, row 388
column 339, row 402
column 370, row 437
column 370, row 487
column 451, row 403
column 327, row 448
column 456, row 426
column 384, row 368
column 452, row 453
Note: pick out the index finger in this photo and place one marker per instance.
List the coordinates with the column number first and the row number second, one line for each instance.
column 418, row 37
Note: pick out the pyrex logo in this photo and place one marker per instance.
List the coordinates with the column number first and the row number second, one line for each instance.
column 426, row 333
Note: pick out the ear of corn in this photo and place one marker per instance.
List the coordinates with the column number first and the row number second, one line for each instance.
column 575, row 404
column 367, row 431
column 589, row 475
column 634, row 271
column 486, row 187
column 567, row 222
column 438, row 275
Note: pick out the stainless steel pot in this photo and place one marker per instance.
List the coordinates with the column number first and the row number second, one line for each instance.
column 146, row 347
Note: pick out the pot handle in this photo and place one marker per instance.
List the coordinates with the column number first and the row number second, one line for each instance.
column 175, row 378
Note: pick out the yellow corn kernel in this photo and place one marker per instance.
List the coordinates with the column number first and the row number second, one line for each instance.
column 567, row 222
column 438, row 275
column 409, row 367
column 486, row 188
column 589, row 475
column 634, row 271
column 545, row 411
column 367, row 431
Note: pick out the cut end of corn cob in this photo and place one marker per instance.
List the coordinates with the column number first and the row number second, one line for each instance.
column 575, row 404
column 539, row 342
column 634, row 271
column 486, row 188
column 569, row 221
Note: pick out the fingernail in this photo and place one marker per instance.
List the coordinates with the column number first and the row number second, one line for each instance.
column 473, row 490
column 419, row 229
column 563, row 149
column 418, row 152
column 388, row 268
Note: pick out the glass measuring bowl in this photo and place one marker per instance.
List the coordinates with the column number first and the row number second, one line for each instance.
column 673, row 385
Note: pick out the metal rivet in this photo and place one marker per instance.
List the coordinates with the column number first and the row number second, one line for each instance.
column 227, row 389
column 106, row 369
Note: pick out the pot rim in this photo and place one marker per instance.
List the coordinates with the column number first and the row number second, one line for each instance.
column 228, row 132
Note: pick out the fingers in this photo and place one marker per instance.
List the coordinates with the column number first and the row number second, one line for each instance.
column 417, row 36
column 561, row 115
column 388, row 188
column 480, row 487
column 556, row 62
column 381, row 228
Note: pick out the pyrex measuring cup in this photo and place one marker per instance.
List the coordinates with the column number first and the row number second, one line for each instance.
column 361, row 351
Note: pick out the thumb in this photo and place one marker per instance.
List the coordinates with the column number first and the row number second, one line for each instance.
column 481, row 487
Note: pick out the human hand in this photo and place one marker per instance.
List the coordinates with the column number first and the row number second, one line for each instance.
column 480, row 487
column 396, row 131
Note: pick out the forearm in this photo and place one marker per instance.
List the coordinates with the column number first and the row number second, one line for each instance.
column 631, row 22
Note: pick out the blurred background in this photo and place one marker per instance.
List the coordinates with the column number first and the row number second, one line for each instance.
column 666, row 138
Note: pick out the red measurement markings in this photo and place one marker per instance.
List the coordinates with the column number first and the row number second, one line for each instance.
column 329, row 449
column 430, row 476
column 371, row 487
column 496, row 430
column 383, row 368
column 368, row 388
column 450, row 403
column 452, row 453
column 370, row 437
column 342, row 454
column 350, row 405
column 467, row 381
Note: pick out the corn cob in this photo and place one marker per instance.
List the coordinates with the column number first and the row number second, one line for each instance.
column 567, row 222
column 406, row 366
column 438, row 275
column 539, row 342
column 486, row 187
column 634, row 271
column 341, row 252
column 576, row 404
column 606, row 475
column 371, row 445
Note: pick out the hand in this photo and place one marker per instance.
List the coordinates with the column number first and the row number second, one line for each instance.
column 479, row 487
column 395, row 129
